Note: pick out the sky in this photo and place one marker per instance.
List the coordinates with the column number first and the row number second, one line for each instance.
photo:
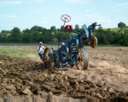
column 46, row 13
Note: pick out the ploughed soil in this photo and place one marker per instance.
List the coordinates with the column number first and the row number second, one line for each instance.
column 106, row 77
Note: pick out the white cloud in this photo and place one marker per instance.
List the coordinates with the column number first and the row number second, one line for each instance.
column 34, row 2
column 12, row 16
column 123, row 4
column 39, row 1
column 80, row 1
column 106, row 21
column 13, row 2
column 8, row 16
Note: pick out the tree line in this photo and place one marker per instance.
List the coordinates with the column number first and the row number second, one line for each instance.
column 111, row 36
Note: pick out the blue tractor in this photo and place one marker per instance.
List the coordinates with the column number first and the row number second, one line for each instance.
column 72, row 52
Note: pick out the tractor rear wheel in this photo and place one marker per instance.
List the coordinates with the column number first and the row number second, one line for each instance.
column 83, row 59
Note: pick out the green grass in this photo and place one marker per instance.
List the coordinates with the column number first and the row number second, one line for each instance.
column 23, row 51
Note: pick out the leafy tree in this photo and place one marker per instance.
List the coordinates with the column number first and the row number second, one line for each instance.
column 37, row 33
column 15, row 35
column 26, row 36
column 53, row 28
column 4, row 36
column 121, row 25
column 37, row 28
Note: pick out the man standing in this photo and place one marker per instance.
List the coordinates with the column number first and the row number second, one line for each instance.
column 41, row 49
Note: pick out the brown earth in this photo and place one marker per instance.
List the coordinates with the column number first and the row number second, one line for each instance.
column 106, row 77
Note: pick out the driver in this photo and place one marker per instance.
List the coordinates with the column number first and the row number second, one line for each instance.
column 41, row 49
column 63, row 52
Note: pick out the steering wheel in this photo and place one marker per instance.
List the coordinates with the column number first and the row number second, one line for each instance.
column 65, row 18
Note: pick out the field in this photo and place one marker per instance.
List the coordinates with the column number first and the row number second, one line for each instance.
column 21, row 73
